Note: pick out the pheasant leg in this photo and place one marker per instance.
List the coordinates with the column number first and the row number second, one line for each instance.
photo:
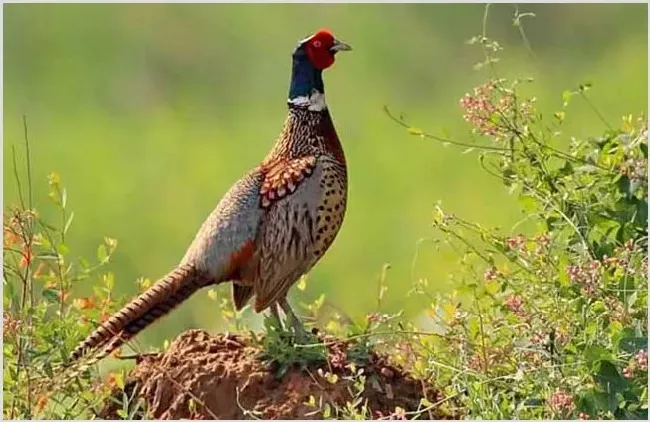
column 298, row 327
column 275, row 316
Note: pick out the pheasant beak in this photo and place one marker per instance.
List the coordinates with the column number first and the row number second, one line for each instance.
column 340, row 46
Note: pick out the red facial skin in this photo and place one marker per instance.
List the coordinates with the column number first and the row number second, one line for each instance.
column 318, row 49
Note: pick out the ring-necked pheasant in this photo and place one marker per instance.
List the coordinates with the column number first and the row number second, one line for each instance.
column 273, row 224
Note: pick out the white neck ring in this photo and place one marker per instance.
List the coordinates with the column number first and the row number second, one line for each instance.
column 314, row 102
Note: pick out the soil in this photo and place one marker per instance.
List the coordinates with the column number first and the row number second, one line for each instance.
column 221, row 377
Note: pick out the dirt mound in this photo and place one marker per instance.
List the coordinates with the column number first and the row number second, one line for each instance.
column 221, row 377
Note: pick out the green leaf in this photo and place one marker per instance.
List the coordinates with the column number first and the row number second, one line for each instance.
column 62, row 249
column 566, row 97
column 68, row 223
column 601, row 401
column 616, row 331
column 591, row 329
column 624, row 185
column 47, row 368
column 642, row 213
column 631, row 299
column 327, row 412
column 595, row 354
column 109, row 280
column 566, row 170
column 51, row 295
column 587, row 403
column 528, row 203
column 102, row 255
column 119, row 380
column 608, row 376
column 598, row 306
column 633, row 344
column 603, row 229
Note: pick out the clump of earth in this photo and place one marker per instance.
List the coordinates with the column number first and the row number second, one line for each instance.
column 203, row 376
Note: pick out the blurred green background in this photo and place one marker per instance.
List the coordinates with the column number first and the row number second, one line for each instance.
column 151, row 112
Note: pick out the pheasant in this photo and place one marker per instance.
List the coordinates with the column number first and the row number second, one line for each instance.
column 271, row 227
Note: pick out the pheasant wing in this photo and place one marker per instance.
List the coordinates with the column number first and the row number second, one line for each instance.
column 290, row 193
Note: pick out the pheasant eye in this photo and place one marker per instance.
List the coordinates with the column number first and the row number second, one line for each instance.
column 316, row 44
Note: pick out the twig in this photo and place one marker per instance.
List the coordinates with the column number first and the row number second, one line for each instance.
column 243, row 409
column 29, row 162
column 482, row 328
column 17, row 177
column 416, row 255
column 594, row 109
column 439, row 138
column 364, row 335
column 524, row 38
column 380, row 287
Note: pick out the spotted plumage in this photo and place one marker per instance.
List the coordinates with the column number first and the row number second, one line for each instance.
column 271, row 227
column 283, row 177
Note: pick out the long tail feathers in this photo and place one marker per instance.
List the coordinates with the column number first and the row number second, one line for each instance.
column 141, row 312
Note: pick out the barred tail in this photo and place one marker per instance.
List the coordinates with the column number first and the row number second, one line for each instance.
column 142, row 311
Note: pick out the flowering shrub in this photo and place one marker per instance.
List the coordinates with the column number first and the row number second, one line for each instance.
column 41, row 322
column 550, row 323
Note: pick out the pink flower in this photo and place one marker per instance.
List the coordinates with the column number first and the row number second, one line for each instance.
column 338, row 359
column 635, row 169
column 372, row 317
column 538, row 338
column 489, row 107
column 610, row 261
column 516, row 242
column 491, row 274
column 481, row 105
column 561, row 401
column 476, row 363
column 616, row 310
column 588, row 275
column 543, row 240
column 628, row 372
column 639, row 362
column 516, row 305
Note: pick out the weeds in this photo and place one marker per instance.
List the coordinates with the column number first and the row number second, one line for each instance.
column 280, row 351
column 41, row 321
column 551, row 323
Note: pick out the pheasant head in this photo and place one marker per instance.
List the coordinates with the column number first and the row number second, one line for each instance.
column 311, row 56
